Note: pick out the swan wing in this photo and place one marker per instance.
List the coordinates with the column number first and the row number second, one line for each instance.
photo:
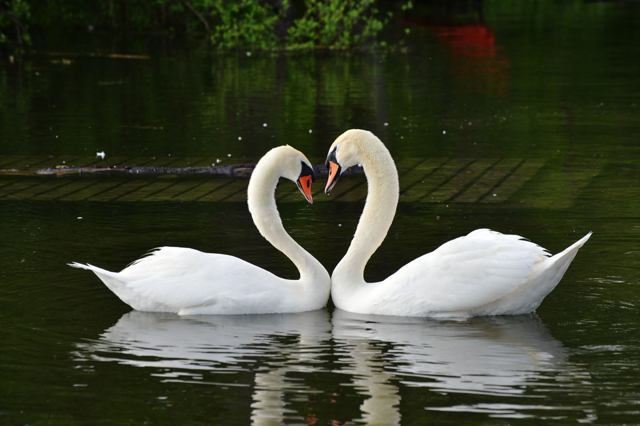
column 468, row 272
column 187, row 281
column 197, row 282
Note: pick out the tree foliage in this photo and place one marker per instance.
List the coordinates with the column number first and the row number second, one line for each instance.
column 336, row 23
column 229, row 24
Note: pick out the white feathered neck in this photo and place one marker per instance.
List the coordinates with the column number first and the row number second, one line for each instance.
column 380, row 207
column 283, row 161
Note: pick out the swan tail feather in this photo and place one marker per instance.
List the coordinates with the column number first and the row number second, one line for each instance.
column 90, row 267
column 573, row 248
column 544, row 278
column 120, row 286
column 558, row 264
column 547, row 276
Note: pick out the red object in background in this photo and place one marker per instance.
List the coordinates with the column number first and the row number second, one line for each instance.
column 476, row 41
column 476, row 62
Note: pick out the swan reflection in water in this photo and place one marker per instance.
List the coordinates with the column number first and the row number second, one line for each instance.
column 284, row 352
column 201, row 349
column 489, row 355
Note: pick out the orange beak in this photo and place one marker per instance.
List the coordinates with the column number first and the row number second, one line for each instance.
column 304, row 184
column 334, row 174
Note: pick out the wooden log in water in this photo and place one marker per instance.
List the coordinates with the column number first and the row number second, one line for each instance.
column 237, row 170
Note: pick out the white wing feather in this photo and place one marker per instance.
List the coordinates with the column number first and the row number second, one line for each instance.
column 189, row 282
column 460, row 275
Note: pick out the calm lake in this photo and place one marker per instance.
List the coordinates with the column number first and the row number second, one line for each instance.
column 523, row 117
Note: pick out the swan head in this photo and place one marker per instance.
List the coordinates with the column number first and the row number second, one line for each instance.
column 345, row 152
column 306, row 177
column 287, row 162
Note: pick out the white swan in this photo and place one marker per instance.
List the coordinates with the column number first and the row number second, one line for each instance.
column 189, row 282
column 483, row 273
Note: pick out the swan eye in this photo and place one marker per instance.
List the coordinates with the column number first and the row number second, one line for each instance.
column 307, row 171
column 331, row 158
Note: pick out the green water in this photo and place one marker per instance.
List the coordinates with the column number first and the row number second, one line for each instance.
column 547, row 81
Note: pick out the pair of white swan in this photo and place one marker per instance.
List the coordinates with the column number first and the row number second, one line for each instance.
column 483, row 273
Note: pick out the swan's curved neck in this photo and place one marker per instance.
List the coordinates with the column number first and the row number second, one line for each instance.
column 377, row 215
column 263, row 209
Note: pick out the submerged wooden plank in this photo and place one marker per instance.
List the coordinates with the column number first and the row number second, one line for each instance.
column 5, row 182
column 417, row 173
column 177, row 189
column 318, row 187
column 17, row 186
column 415, row 177
column 358, row 192
column 120, row 190
column 201, row 190
column 461, row 180
column 349, row 184
column 287, row 192
column 147, row 191
column 489, row 180
column 236, row 188
column 239, row 196
column 83, row 194
column 512, row 183
column 433, row 179
column 35, row 190
column 559, row 188
column 68, row 188
column 407, row 164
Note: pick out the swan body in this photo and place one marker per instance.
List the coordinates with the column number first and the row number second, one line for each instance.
column 190, row 282
column 482, row 273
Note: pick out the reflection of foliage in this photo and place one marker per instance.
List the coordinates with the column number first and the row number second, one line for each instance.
column 13, row 14
column 203, row 102
column 302, row 92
